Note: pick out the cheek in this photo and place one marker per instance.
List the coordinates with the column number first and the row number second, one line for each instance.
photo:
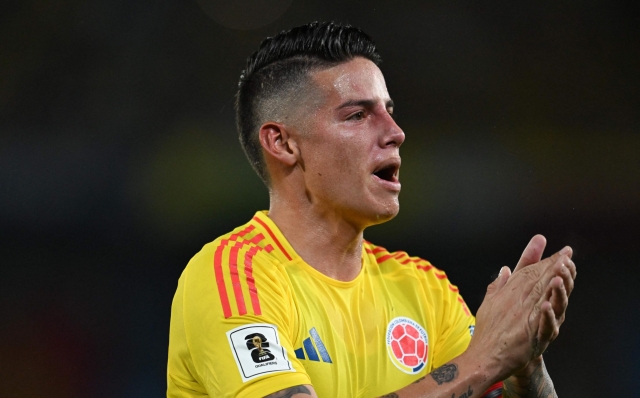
column 348, row 158
column 331, row 164
column 336, row 156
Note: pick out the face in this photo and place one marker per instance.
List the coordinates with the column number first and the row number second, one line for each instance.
column 349, row 144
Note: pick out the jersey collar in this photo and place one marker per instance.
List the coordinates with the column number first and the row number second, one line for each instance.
column 281, row 247
column 285, row 252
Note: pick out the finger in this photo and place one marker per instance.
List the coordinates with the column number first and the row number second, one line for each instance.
column 559, row 300
column 547, row 330
column 567, row 250
column 572, row 268
column 532, row 253
column 501, row 280
column 555, row 297
column 564, row 271
column 536, row 312
column 503, row 276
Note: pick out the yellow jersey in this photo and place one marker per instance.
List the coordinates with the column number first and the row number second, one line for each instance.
column 250, row 318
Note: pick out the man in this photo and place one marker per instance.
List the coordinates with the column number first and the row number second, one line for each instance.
column 296, row 303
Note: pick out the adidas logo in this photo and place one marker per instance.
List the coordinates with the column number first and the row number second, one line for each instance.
column 313, row 346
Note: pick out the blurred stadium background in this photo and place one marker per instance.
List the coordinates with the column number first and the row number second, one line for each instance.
column 119, row 160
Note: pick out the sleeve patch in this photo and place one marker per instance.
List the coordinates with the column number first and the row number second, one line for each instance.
column 257, row 350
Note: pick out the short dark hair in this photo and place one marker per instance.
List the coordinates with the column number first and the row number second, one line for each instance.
column 281, row 65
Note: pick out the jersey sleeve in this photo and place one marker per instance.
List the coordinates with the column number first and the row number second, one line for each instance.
column 232, row 326
column 457, row 325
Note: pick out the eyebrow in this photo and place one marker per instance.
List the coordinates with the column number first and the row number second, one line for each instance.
column 364, row 103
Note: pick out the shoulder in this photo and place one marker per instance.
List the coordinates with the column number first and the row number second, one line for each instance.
column 434, row 280
column 240, row 270
column 247, row 244
column 401, row 261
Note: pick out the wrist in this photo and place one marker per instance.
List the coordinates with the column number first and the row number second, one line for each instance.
column 481, row 367
column 533, row 365
column 494, row 365
column 532, row 380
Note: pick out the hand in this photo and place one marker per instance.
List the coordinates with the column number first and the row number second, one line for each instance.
column 517, row 319
column 558, row 299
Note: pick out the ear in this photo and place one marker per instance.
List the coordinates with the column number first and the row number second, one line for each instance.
column 276, row 140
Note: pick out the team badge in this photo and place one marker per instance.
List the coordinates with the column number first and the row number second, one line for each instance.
column 257, row 350
column 407, row 344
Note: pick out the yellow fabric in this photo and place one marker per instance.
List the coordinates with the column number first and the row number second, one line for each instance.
column 350, row 319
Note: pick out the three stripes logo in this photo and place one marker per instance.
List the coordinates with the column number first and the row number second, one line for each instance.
column 314, row 348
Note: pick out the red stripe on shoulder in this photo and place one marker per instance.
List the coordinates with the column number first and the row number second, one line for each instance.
column 217, row 269
column 453, row 289
column 248, row 271
column 464, row 306
column 425, row 267
column 400, row 255
column 235, row 278
column 266, row 227
column 257, row 239
column 384, row 258
column 222, row 290
column 242, row 233
column 420, row 261
column 397, row 255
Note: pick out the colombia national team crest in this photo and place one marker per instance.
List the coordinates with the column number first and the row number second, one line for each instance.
column 407, row 344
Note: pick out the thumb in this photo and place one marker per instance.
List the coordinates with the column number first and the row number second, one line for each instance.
column 532, row 253
column 500, row 281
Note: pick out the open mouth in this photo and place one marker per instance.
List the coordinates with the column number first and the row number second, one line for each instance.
column 388, row 172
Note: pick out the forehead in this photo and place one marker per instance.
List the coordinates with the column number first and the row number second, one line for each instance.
column 357, row 79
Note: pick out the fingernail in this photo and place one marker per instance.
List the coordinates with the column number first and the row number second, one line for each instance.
column 565, row 250
column 500, row 273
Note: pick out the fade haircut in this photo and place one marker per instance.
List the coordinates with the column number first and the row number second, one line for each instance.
column 273, row 79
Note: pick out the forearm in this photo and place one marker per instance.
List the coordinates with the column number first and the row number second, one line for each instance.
column 462, row 377
column 534, row 382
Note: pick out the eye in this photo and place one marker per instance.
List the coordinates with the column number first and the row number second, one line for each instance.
column 357, row 116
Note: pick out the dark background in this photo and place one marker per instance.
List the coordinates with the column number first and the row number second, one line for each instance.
column 119, row 160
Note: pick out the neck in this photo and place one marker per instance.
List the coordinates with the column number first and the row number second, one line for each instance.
column 322, row 237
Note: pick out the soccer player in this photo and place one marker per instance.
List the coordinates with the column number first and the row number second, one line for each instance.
column 295, row 303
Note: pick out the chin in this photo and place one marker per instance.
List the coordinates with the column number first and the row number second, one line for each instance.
column 384, row 214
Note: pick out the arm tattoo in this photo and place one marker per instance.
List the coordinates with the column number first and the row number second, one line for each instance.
column 465, row 394
column 537, row 385
column 288, row 392
column 445, row 373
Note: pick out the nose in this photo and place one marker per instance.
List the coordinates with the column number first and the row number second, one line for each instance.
column 392, row 135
